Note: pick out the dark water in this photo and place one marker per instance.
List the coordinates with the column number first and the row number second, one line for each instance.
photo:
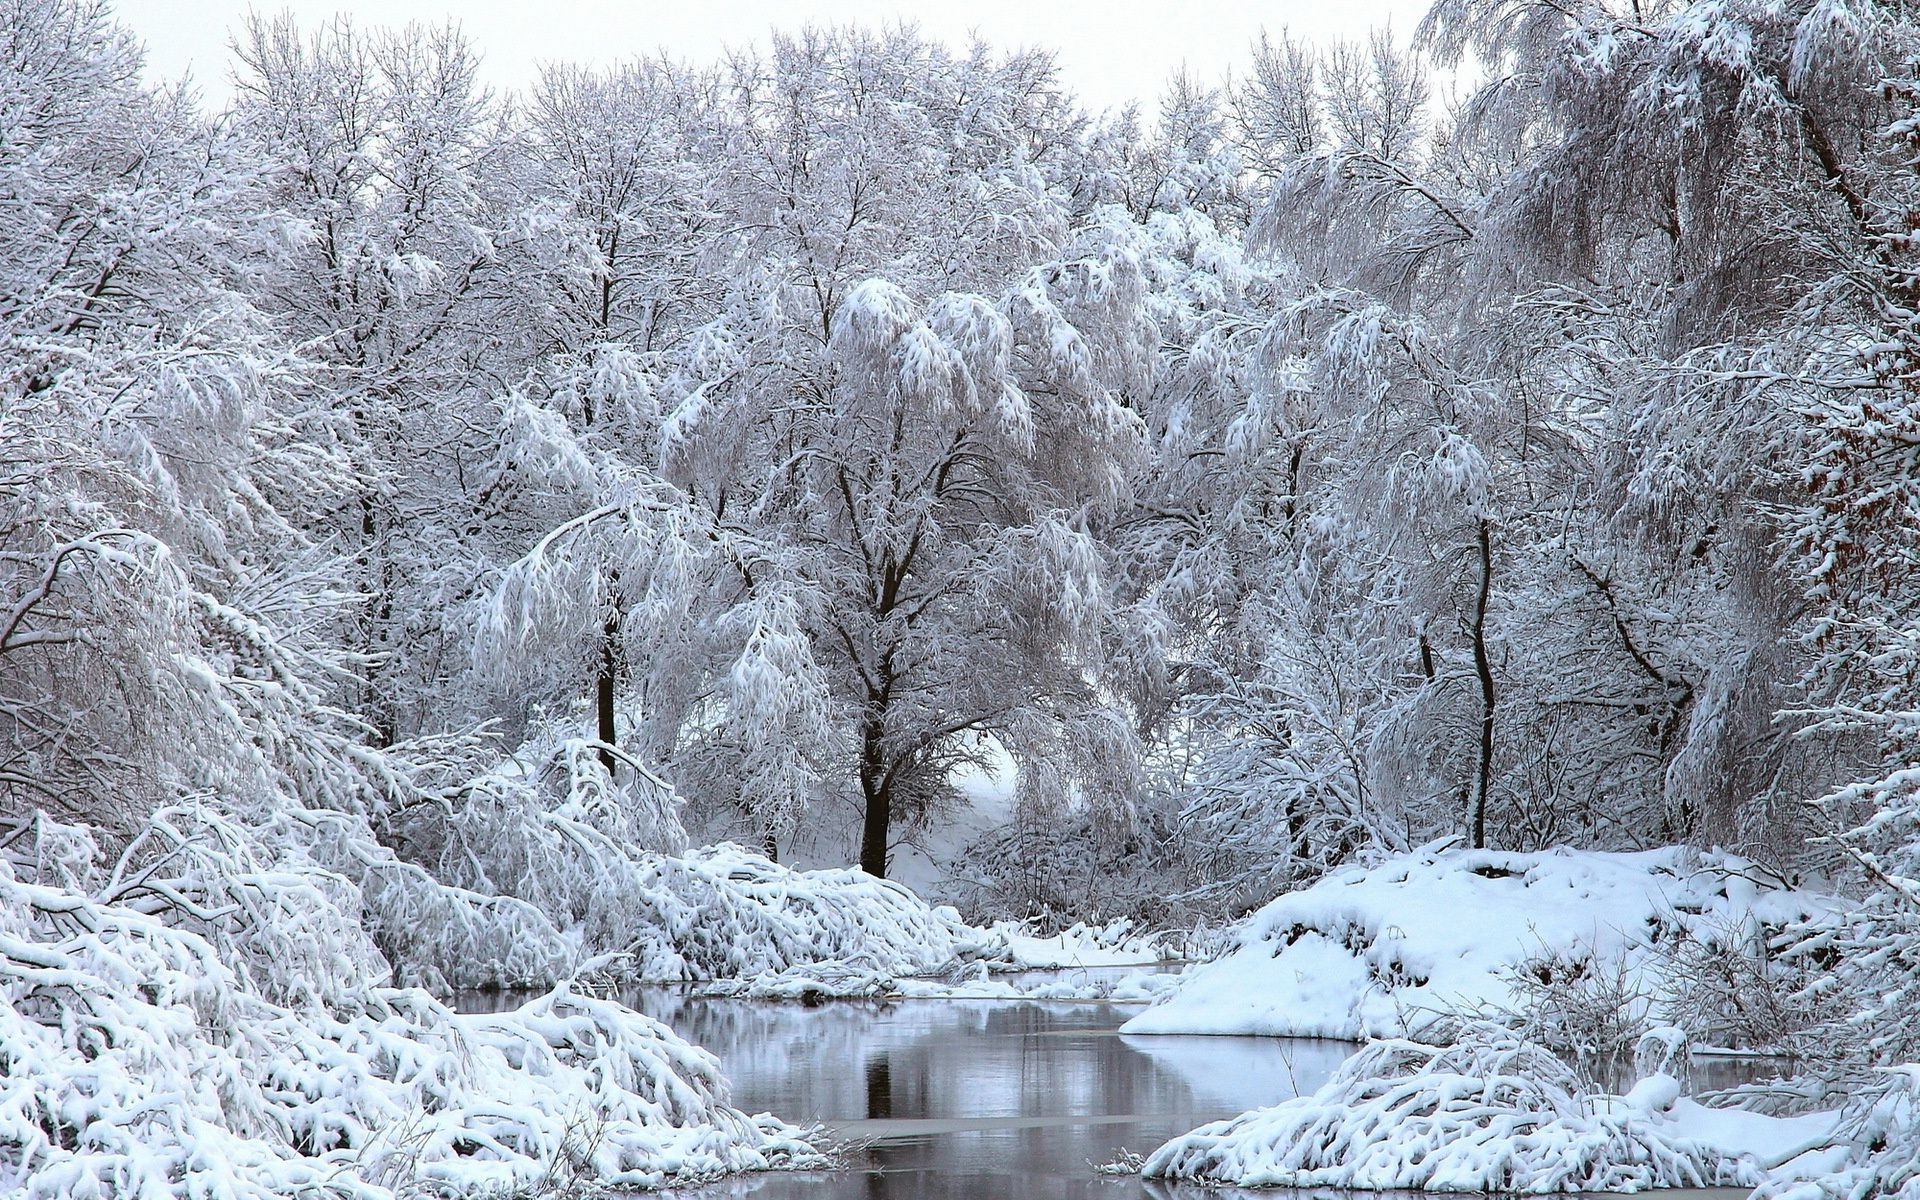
column 981, row 1098
column 950, row 1099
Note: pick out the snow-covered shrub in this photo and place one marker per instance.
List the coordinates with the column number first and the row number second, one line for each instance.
column 1744, row 988
column 1490, row 1112
column 845, row 916
column 609, row 865
column 149, row 1048
column 434, row 932
column 1884, row 1159
column 1071, row 868
column 1423, row 936
column 1595, row 1010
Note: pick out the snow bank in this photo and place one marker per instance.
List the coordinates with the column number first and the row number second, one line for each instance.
column 1490, row 1113
column 259, row 1055
column 1386, row 950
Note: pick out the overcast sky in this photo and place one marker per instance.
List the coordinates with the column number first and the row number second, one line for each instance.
column 1110, row 52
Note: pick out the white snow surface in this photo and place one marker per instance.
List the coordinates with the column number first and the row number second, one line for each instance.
column 138, row 1062
column 1488, row 1112
column 1880, row 1155
column 1117, row 944
column 1386, row 950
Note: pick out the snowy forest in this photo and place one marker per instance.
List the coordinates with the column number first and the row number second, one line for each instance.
column 454, row 539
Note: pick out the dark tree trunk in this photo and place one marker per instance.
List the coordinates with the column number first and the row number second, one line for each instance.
column 603, row 691
column 876, row 785
column 1483, row 666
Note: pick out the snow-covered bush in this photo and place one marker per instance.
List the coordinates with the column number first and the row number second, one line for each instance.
column 1490, row 1112
column 548, row 833
column 1071, row 868
column 1596, row 1011
column 1747, row 988
column 1884, row 1159
column 1422, row 936
column 160, row 1037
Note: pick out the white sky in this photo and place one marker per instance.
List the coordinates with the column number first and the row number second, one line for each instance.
column 1110, row 52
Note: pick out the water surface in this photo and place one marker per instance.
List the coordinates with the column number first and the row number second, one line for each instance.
column 946, row 1098
column 953, row 1099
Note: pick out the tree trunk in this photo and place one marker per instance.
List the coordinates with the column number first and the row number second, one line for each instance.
column 603, row 691
column 1483, row 666
column 878, row 791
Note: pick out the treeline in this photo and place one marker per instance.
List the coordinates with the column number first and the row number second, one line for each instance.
column 1311, row 465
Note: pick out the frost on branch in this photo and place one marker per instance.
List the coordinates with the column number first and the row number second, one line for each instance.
column 1492, row 1113
column 145, row 1057
column 550, row 840
column 1884, row 1145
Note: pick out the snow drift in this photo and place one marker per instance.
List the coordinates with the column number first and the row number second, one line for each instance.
column 1490, row 1113
column 1386, row 950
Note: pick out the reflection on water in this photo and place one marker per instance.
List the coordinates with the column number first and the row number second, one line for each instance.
column 975, row 1100
column 980, row 1098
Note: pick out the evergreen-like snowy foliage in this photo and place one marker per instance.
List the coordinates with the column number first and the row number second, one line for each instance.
column 1390, row 949
column 1487, row 1112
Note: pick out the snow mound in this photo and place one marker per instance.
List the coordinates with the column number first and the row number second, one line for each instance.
column 143, row 1058
column 1492, row 1113
column 1388, row 950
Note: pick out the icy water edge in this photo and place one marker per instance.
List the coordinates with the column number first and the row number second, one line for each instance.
column 982, row 1099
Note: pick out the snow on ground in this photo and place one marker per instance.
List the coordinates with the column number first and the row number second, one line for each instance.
column 1488, row 1111
column 1881, row 1152
column 138, row 1059
column 1113, row 945
column 1386, row 950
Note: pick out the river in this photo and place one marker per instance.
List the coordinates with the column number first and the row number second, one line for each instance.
column 980, row 1099
column 957, row 1098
